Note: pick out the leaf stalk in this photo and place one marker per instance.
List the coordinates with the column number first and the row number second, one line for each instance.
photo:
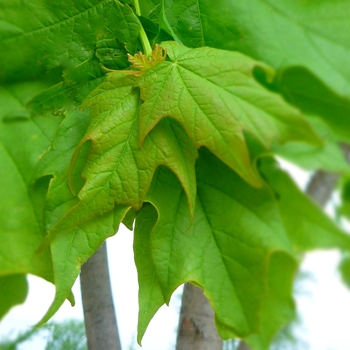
column 143, row 36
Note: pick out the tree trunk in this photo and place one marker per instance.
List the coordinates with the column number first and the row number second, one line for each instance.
column 197, row 330
column 321, row 187
column 99, row 314
column 243, row 346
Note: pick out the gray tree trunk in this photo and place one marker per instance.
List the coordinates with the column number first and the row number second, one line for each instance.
column 321, row 186
column 197, row 330
column 99, row 314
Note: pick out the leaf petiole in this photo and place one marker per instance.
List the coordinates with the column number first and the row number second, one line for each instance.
column 144, row 39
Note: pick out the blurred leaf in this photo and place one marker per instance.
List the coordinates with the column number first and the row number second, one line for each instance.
column 284, row 33
column 328, row 157
column 309, row 93
column 13, row 291
column 22, row 143
column 308, row 227
column 344, row 207
column 46, row 34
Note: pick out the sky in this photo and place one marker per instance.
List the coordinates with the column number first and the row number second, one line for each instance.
column 323, row 302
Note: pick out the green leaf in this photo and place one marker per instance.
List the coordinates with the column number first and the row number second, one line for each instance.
column 282, row 33
column 150, row 291
column 129, row 219
column 215, row 97
column 74, row 246
column 278, row 307
column 307, row 92
column 229, row 249
column 196, row 23
column 43, row 35
column 22, row 143
column 67, row 95
column 13, row 291
column 328, row 157
column 308, row 227
column 20, row 228
column 117, row 169
column 148, row 7
column 344, row 208
column 151, row 297
column 55, row 163
column 112, row 54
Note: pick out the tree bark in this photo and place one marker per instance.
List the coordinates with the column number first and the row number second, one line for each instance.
column 197, row 330
column 99, row 314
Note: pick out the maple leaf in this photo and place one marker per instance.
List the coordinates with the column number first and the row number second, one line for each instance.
column 213, row 94
column 233, row 250
column 117, row 170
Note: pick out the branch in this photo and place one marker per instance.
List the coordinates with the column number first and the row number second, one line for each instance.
column 99, row 315
column 243, row 346
column 321, row 186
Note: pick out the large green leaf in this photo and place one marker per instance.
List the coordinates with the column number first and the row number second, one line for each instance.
column 313, row 34
column 23, row 140
column 117, row 169
column 45, row 34
column 229, row 250
column 276, row 309
column 214, row 95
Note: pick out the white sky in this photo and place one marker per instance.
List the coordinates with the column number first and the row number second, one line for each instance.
column 324, row 304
